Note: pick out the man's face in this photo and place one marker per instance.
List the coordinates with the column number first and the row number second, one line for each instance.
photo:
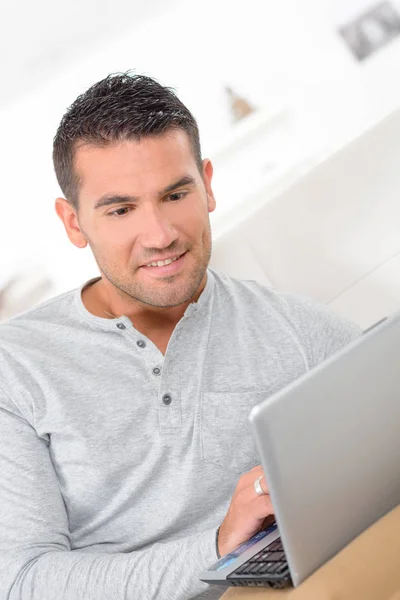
column 142, row 203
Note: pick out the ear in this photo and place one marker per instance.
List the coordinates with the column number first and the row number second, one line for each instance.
column 68, row 216
column 207, row 177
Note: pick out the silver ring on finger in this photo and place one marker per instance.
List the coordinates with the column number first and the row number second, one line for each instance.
column 257, row 487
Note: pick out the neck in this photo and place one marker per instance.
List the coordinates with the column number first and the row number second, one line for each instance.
column 102, row 300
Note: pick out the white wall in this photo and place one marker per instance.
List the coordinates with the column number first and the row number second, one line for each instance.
column 38, row 38
column 332, row 235
column 275, row 53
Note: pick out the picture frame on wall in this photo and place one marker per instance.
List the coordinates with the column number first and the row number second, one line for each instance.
column 371, row 30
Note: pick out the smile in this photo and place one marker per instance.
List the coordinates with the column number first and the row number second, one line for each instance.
column 163, row 263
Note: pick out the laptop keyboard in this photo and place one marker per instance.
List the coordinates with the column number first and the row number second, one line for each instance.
column 270, row 561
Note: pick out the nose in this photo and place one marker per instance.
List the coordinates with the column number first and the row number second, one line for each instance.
column 157, row 231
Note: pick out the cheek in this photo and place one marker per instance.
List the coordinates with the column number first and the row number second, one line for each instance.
column 117, row 233
column 193, row 221
column 113, row 243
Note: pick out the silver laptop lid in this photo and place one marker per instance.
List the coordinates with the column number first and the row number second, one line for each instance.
column 329, row 444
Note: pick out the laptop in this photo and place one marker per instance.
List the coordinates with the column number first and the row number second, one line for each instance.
column 329, row 445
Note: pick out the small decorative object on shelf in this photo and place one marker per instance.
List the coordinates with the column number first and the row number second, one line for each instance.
column 371, row 30
column 239, row 106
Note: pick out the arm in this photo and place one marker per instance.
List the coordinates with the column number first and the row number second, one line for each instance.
column 36, row 560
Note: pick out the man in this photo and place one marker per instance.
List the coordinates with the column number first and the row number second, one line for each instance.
column 126, row 458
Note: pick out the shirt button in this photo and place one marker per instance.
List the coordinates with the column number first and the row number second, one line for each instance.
column 156, row 371
column 167, row 399
column 141, row 343
column 121, row 326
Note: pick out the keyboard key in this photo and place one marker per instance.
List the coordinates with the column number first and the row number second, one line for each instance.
column 253, row 568
column 241, row 569
column 267, row 568
column 274, row 546
column 275, row 556
column 273, row 568
column 282, row 568
column 279, row 556
column 258, row 569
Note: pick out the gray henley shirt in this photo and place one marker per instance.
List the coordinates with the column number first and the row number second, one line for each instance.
column 118, row 463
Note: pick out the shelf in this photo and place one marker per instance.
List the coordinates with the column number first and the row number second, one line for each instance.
column 247, row 130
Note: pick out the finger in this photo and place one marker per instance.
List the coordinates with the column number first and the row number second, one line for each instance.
column 253, row 474
column 248, row 480
column 262, row 506
column 249, row 477
column 254, row 505
column 248, row 493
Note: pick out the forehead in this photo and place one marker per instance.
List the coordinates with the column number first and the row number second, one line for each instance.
column 134, row 167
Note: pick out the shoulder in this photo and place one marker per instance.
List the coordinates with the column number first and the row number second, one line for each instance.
column 290, row 305
column 319, row 330
column 250, row 292
column 244, row 290
column 53, row 311
column 36, row 332
column 27, row 342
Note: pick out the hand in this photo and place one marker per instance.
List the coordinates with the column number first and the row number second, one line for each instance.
column 247, row 512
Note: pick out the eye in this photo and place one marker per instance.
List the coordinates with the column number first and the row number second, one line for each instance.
column 176, row 196
column 120, row 212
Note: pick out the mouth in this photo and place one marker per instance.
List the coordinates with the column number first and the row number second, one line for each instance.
column 168, row 266
column 163, row 263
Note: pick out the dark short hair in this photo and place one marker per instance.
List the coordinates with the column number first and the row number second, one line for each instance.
column 123, row 106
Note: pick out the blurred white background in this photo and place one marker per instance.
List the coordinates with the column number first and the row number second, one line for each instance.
column 285, row 57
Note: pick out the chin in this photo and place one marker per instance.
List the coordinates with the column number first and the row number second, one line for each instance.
column 171, row 299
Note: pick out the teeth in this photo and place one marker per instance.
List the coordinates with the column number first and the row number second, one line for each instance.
column 162, row 263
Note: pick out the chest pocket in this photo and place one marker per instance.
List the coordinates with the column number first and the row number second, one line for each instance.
column 226, row 436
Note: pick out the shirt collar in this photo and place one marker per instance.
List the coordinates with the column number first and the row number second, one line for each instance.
column 111, row 324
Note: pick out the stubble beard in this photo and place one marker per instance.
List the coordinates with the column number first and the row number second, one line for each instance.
column 169, row 293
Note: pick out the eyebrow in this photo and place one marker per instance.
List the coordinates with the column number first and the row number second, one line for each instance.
column 109, row 199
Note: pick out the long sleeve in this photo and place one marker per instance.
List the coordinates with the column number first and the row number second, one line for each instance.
column 36, row 560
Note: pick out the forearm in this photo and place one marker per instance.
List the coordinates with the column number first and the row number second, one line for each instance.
column 163, row 571
column 36, row 560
